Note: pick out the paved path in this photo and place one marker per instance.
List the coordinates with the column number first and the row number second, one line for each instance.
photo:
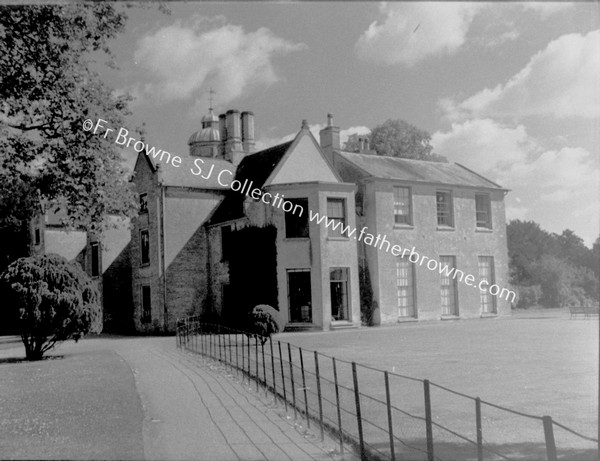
column 193, row 408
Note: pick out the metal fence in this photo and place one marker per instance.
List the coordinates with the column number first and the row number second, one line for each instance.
column 383, row 414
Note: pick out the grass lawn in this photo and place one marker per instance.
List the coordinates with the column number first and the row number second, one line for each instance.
column 79, row 403
column 535, row 363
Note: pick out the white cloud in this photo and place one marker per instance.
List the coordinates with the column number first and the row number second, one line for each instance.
column 560, row 81
column 516, row 212
column 184, row 59
column 546, row 9
column 409, row 32
column 484, row 145
column 547, row 185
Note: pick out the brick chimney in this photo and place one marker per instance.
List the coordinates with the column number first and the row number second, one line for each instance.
column 330, row 138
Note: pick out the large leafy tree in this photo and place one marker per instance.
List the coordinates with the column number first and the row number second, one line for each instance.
column 397, row 138
column 49, row 86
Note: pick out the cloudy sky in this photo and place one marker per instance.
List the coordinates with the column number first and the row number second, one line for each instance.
column 508, row 89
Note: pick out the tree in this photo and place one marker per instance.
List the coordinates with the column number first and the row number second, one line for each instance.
column 52, row 299
column 264, row 321
column 527, row 243
column 48, row 88
column 397, row 138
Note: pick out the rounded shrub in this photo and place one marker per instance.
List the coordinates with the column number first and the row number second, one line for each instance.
column 265, row 321
column 53, row 301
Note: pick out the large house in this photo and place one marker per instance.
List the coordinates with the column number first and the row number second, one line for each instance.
column 285, row 226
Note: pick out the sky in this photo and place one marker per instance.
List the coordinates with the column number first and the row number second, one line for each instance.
column 510, row 90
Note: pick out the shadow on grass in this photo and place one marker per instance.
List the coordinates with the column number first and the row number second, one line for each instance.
column 9, row 360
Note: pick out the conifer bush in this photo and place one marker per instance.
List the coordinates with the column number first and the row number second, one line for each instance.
column 54, row 301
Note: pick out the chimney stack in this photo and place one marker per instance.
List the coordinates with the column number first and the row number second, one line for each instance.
column 248, row 132
column 330, row 138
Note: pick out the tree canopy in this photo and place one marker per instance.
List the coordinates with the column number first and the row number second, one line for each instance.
column 397, row 138
column 566, row 270
column 48, row 87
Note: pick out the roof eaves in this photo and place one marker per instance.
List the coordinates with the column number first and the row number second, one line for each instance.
column 480, row 176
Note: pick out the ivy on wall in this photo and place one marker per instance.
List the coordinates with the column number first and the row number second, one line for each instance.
column 252, row 273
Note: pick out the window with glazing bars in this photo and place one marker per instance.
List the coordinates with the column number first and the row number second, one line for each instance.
column 486, row 272
column 402, row 211
column 444, row 208
column 483, row 211
column 336, row 213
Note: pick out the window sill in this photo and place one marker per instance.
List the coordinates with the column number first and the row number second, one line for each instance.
column 145, row 264
column 338, row 239
column 407, row 319
column 296, row 239
column 446, row 228
column 403, row 227
column 486, row 315
column 449, row 317
column 484, row 230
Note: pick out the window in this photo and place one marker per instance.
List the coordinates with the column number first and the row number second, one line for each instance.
column 402, row 211
column 405, row 285
column 146, row 305
column 143, row 203
column 299, row 295
column 37, row 236
column 296, row 224
column 486, row 272
column 448, row 285
column 336, row 214
column 338, row 281
column 145, row 246
column 444, row 208
column 226, row 243
column 483, row 211
column 95, row 259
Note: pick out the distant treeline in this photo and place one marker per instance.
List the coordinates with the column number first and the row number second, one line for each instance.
column 552, row 270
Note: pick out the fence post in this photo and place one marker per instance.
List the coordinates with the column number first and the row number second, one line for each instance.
column 248, row 357
column 282, row 375
column 304, row 387
column 388, row 401
column 319, row 395
column 292, row 380
column 273, row 369
column 479, row 429
column 256, row 357
column 230, row 349
column 428, row 420
column 337, row 404
column 549, row 435
column 237, row 359
column 262, row 349
column 219, row 343
column 361, row 440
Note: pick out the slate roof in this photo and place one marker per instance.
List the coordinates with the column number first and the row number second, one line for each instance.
column 256, row 168
column 453, row 174
column 182, row 176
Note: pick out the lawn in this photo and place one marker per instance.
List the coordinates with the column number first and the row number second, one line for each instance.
column 78, row 403
column 534, row 363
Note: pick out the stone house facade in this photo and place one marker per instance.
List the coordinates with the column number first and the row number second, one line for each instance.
column 172, row 260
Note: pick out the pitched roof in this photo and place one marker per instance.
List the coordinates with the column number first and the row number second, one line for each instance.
column 182, row 176
column 383, row 167
column 256, row 168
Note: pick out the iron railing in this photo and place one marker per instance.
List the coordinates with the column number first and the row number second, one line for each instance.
column 383, row 414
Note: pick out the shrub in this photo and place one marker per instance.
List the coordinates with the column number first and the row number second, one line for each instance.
column 54, row 301
column 265, row 321
column 528, row 296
